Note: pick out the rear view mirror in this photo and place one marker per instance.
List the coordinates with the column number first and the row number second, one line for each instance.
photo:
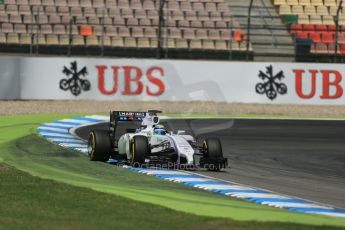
column 179, row 132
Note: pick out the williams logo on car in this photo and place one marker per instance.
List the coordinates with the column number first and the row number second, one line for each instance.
column 271, row 85
column 74, row 79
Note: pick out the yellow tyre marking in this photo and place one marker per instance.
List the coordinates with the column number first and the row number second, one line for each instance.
column 205, row 144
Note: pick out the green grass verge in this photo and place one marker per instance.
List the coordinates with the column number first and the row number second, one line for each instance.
column 28, row 202
column 21, row 148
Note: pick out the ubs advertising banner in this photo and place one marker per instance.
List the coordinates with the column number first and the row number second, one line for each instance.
column 150, row 80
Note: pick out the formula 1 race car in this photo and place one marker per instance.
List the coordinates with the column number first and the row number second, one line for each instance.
column 151, row 145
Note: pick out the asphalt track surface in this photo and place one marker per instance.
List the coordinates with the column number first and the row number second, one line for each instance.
column 301, row 158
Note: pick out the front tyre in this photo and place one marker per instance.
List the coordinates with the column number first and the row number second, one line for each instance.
column 140, row 150
column 213, row 153
column 212, row 148
column 99, row 145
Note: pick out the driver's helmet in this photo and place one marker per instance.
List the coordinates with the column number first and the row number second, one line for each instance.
column 160, row 130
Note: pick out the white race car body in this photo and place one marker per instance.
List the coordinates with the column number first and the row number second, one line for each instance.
column 151, row 145
column 177, row 142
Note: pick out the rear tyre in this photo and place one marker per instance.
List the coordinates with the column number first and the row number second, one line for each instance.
column 212, row 149
column 140, row 150
column 99, row 145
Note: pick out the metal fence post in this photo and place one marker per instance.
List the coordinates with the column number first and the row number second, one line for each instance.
column 336, row 20
column 102, row 35
column 248, row 27
column 160, row 25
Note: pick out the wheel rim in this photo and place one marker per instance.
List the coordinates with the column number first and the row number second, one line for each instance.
column 133, row 153
column 91, row 145
column 89, row 149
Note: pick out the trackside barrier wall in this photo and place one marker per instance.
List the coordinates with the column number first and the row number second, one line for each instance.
column 153, row 80
column 9, row 78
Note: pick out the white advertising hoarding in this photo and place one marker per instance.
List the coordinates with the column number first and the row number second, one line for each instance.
column 170, row 80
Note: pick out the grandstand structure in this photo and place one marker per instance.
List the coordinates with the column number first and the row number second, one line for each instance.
column 318, row 23
column 269, row 36
column 197, row 29
column 182, row 28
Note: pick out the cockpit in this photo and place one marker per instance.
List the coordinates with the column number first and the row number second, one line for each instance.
column 159, row 131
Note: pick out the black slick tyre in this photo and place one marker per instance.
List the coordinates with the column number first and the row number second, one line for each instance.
column 99, row 145
column 140, row 150
column 212, row 150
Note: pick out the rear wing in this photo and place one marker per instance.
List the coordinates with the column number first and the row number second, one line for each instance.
column 127, row 116
column 131, row 116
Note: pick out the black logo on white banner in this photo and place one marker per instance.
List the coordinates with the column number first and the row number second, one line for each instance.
column 271, row 84
column 74, row 81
